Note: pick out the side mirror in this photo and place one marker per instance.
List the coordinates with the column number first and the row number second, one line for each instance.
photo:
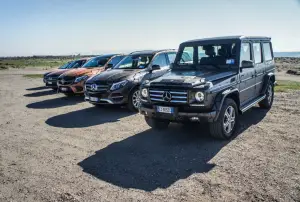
column 109, row 66
column 247, row 64
column 155, row 67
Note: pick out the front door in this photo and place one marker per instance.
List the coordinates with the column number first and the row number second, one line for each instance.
column 247, row 75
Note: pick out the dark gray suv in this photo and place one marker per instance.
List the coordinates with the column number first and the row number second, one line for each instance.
column 222, row 78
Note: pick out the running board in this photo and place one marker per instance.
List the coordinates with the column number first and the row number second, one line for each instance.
column 257, row 100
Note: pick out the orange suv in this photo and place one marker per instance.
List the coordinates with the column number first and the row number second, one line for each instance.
column 72, row 81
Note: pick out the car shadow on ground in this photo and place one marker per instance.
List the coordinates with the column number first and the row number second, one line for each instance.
column 152, row 159
column 38, row 88
column 56, row 102
column 41, row 93
column 88, row 117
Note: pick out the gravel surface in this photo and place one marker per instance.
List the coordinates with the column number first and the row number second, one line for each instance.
column 54, row 148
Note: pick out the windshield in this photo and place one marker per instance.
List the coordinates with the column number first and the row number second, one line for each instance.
column 209, row 56
column 135, row 62
column 75, row 64
column 65, row 66
column 97, row 62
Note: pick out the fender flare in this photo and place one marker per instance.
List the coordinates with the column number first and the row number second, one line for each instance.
column 220, row 98
column 267, row 78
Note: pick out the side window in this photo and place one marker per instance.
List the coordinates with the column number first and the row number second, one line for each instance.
column 160, row 60
column 246, row 52
column 116, row 60
column 267, row 51
column 187, row 56
column 257, row 53
column 171, row 57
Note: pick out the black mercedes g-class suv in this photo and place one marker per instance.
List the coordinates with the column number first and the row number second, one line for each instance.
column 120, row 85
column 225, row 77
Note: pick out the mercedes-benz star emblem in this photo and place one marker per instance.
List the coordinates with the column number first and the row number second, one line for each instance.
column 167, row 96
column 94, row 87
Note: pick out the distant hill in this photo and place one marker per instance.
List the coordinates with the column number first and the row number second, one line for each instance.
column 287, row 54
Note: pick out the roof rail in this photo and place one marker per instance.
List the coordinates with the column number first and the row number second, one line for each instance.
column 171, row 49
column 140, row 51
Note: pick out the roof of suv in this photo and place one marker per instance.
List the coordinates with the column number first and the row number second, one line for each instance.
column 239, row 37
column 150, row 52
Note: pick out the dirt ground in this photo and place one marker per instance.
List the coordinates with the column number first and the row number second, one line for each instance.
column 54, row 148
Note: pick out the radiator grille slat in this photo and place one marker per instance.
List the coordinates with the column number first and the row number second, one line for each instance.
column 157, row 95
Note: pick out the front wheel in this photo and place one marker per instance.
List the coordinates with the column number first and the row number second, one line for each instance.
column 226, row 123
column 134, row 100
column 268, row 101
column 156, row 123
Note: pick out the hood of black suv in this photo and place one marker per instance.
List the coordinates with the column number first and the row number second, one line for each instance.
column 113, row 75
column 190, row 78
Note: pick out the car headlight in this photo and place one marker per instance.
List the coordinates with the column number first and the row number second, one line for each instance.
column 199, row 96
column 144, row 92
column 118, row 85
column 81, row 78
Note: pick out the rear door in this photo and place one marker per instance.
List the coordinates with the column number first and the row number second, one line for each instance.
column 247, row 75
column 259, row 67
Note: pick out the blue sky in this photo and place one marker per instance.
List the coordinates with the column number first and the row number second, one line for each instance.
column 41, row 27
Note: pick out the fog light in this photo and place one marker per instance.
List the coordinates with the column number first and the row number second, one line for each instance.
column 144, row 92
column 194, row 119
column 199, row 96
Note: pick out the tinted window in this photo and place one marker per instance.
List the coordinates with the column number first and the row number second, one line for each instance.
column 160, row 60
column 134, row 62
column 187, row 56
column 171, row 57
column 96, row 62
column 257, row 53
column 65, row 66
column 246, row 52
column 267, row 51
column 116, row 60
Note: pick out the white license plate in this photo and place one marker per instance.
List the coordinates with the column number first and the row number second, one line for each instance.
column 94, row 99
column 64, row 89
column 49, row 82
column 167, row 110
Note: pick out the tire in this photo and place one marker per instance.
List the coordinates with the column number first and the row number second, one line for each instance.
column 98, row 105
column 218, row 129
column 156, row 123
column 69, row 94
column 133, row 104
column 268, row 101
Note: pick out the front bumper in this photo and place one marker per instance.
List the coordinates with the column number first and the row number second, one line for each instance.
column 76, row 88
column 50, row 83
column 179, row 116
column 117, row 97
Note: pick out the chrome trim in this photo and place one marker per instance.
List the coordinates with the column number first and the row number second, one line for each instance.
column 118, row 96
column 253, row 103
column 250, row 87
column 180, row 93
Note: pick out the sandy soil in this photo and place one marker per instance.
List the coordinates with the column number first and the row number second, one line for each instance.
column 54, row 148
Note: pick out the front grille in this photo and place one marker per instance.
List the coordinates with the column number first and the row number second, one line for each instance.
column 175, row 96
column 51, row 78
column 67, row 80
column 96, row 88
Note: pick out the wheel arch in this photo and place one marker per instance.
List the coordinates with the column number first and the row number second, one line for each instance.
column 269, row 77
column 234, row 94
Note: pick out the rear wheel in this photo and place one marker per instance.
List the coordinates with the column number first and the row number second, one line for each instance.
column 268, row 101
column 134, row 100
column 157, row 123
column 226, row 123
column 69, row 94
